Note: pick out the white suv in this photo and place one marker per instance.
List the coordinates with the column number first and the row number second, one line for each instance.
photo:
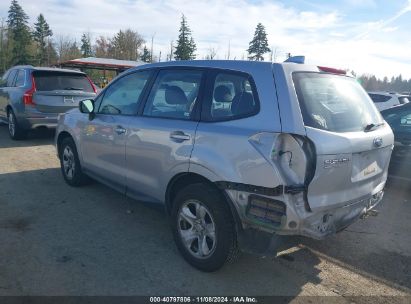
column 386, row 100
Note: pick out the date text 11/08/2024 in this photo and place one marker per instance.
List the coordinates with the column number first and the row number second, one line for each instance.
column 239, row 299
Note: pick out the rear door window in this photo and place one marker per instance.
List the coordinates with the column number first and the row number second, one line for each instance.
column 233, row 97
column 58, row 81
column 11, row 78
column 20, row 78
column 334, row 103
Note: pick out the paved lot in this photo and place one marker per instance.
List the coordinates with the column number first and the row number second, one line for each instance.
column 58, row 240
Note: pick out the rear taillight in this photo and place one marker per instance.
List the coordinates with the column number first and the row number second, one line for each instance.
column 28, row 95
column 92, row 85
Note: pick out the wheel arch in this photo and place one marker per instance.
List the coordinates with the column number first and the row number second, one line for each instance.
column 8, row 108
column 182, row 180
column 62, row 135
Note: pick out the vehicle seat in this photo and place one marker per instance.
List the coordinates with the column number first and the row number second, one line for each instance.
column 243, row 103
column 175, row 96
column 222, row 94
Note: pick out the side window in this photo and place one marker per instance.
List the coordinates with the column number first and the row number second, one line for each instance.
column 399, row 121
column 405, row 120
column 174, row 94
column 11, row 77
column 20, row 78
column 403, row 100
column 233, row 97
column 123, row 96
column 379, row 98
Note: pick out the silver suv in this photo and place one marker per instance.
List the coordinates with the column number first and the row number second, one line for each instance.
column 239, row 153
column 33, row 97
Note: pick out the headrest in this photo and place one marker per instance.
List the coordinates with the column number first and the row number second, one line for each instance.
column 175, row 95
column 222, row 94
column 243, row 103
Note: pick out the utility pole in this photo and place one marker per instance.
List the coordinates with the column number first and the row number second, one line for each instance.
column 273, row 54
column 171, row 50
column 229, row 49
column 159, row 57
column 152, row 43
column 2, row 46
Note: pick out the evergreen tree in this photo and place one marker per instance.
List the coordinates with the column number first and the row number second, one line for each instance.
column 186, row 47
column 259, row 45
column 19, row 33
column 146, row 56
column 41, row 32
column 86, row 45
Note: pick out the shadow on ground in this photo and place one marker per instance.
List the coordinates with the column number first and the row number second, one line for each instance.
column 93, row 241
column 378, row 247
column 35, row 137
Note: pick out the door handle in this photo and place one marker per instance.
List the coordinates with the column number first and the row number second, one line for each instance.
column 179, row 136
column 120, row 130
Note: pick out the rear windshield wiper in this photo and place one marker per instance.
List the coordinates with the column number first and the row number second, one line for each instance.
column 372, row 126
column 74, row 89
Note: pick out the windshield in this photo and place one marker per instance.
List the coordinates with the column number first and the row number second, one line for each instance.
column 334, row 103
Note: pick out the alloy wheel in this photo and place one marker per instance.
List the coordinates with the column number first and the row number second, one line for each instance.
column 69, row 164
column 196, row 227
column 12, row 124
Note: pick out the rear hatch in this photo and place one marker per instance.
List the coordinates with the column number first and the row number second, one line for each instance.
column 352, row 142
column 58, row 91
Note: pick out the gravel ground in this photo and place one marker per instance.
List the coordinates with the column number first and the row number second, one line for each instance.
column 58, row 240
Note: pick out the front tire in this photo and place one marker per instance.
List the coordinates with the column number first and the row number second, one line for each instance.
column 16, row 132
column 203, row 227
column 70, row 164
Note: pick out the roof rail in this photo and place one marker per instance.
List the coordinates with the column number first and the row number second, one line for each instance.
column 296, row 59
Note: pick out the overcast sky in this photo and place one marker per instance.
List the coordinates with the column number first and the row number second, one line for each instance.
column 367, row 36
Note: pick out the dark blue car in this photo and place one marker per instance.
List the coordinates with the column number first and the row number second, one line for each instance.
column 399, row 118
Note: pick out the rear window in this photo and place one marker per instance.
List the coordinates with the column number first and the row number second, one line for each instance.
column 379, row 97
column 334, row 103
column 52, row 81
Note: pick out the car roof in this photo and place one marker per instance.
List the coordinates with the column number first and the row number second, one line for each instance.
column 396, row 108
column 250, row 67
column 47, row 69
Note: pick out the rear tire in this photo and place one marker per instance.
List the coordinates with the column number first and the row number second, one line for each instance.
column 16, row 132
column 70, row 164
column 203, row 227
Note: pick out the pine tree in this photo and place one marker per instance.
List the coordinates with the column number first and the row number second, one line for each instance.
column 259, row 45
column 41, row 32
column 146, row 56
column 186, row 47
column 86, row 45
column 19, row 31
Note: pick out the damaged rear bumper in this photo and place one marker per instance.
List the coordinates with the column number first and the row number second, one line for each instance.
column 328, row 222
column 281, row 212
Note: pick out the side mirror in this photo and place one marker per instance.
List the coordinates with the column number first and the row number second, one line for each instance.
column 87, row 107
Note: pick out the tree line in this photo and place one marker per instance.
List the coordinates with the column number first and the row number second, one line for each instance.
column 395, row 84
column 22, row 43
